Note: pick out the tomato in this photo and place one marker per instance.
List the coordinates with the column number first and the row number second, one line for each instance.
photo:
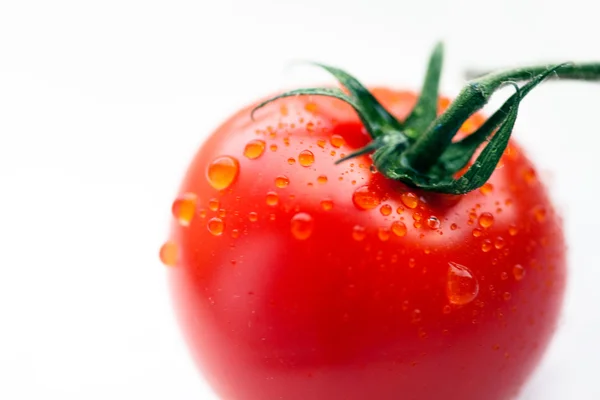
column 297, row 278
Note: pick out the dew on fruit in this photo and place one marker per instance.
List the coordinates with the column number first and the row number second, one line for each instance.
column 336, row 141
column 291, row 161
column 518, row 272
column 359, row 233
column 417, row 216
column 506, row 296
column 322, row 179
column 168, row 253
column 321, row 143
column 383, row 233
column 302, row 225
column 410, row 200
column 252, row 216
column 273, row 147
column 513, row 230
column 310, row 107
column 222, row 172
column 235, row 233
column 202, row 213
column 540, row 214
column 213, row 204
column 486, row 220
column 486, row 189
column 216, row 226
column 477, row 232
column 433, row 222
column 385, row 210
column 504, row 275
column 453, row 227
column 486, row 245
column 272, row 199
column 282, row 181
column 326, row 204
column 365, row 199
column 306, row 158
column 184, row 208
column 399, row 228
column 222, row 212
column 254, row 149
column 499, row 243
column 462, row 287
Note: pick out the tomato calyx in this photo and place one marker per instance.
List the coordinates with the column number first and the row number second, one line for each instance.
column 420, row 151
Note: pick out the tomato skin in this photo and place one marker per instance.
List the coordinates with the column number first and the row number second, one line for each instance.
column 268, row 316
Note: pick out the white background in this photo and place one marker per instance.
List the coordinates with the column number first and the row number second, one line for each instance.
column 103, row 103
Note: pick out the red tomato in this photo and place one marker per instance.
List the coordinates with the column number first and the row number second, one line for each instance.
column 298, row 279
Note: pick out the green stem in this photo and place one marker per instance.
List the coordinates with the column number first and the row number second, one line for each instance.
column 430, row 145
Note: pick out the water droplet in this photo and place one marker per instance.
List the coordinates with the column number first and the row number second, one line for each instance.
column 399, row 228
column 417, row 216
column 254, row 149
column 222, row 212
column 462, row 287
column 365, row 199
column 332, row 153
column 302, row 226
column 235, row 233
column 310, row 107
column 411, row 263
column 282, row 181
column 291, row 161
column 513, row 230
column 447, row 309
column 272, row 199
column 322, row 179
column 504, row 276
column 486, row 220
column 359, row 233
column 506, row 296
column 272, row 217
column 168, row 254
column 499, row 242
column 433, row 222
column 321, row 143
column 327, row 204
column 529, row 175
column 273, row 147
column 518, row 272
column 386, row 210
column 213, row 204
column 202, row 213
column 216, row 226
column 486, row 245
column 486, row 189
column 310, row 126
column 453, row 227
column 383, row 233
column 253, row 217
column 540, row 214
column 410, row 200
column 222, row 172
column 477, row 232
column 306, row 158
column 416, row 315
column 337, row 141
column 184, row 208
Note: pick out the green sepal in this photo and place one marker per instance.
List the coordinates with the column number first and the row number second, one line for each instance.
column 458, row 154
column 425, row 111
